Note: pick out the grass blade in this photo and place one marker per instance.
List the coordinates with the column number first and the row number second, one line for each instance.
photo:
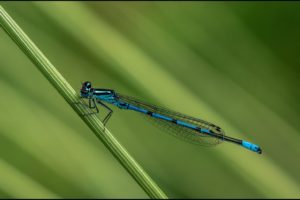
column 70, row 95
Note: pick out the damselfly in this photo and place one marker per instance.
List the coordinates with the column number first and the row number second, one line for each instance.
column 188, row 128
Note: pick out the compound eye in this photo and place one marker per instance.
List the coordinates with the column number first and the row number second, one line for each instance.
column 88, row 85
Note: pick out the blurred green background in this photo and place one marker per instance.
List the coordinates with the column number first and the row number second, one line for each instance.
column 235, row 64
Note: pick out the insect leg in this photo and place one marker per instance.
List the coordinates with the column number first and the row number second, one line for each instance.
column 94, row 106
column 105, row 120
column 82, row 102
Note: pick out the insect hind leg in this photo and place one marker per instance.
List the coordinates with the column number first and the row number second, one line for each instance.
column 106, row 118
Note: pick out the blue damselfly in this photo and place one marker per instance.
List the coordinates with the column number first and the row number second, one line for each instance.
column 185, row 127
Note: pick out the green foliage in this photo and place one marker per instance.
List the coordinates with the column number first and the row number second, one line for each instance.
column 234, row 64
column 69, row 94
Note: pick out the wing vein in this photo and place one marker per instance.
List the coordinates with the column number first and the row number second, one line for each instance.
column 183, row 133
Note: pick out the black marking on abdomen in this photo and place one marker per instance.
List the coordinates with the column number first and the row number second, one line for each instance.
column 198, row 129
column 174, row 121
column 149, row 113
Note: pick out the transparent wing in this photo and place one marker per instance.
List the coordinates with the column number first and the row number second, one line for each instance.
column 181, row 132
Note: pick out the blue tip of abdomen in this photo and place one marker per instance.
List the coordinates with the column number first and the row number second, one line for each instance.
column 252, row 147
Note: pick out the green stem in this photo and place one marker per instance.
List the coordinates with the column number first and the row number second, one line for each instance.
column 70, row 95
